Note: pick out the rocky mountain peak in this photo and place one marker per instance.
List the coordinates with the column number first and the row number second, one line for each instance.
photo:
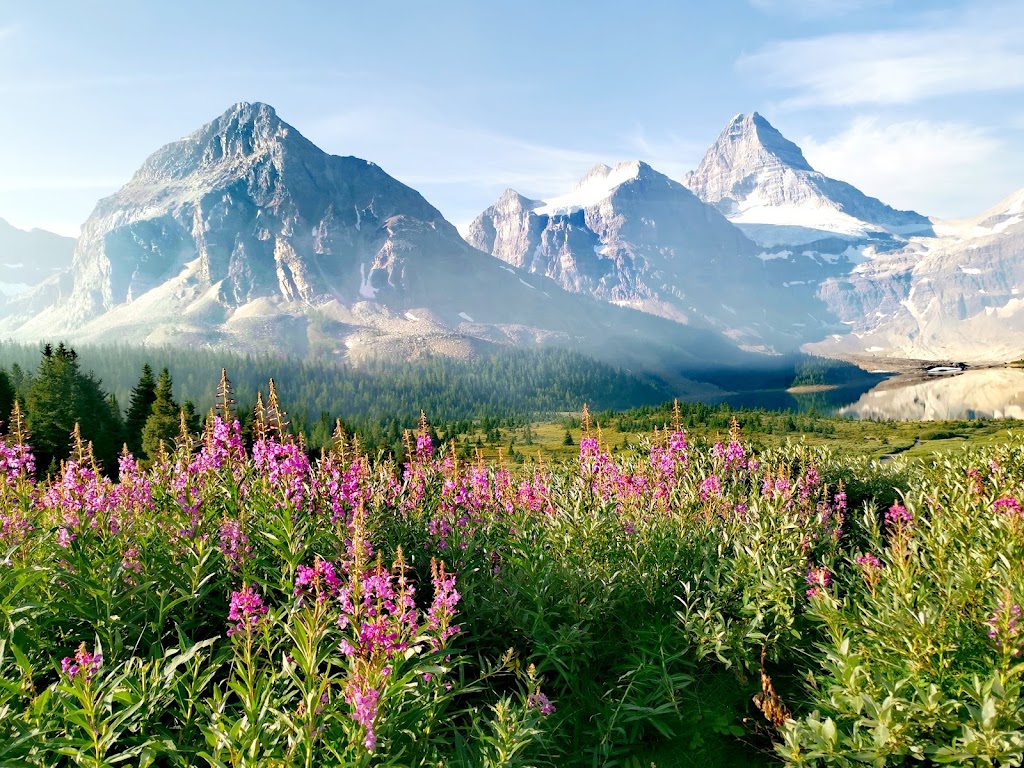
column 762, row 182
column 596, row 186
column 749, row 134
column 511, row 200
column 748, row 145
column 241, row 134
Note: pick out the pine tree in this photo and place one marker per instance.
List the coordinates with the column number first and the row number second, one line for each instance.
column 139, row 410
column 7, row 394
column 164, row 419
column 61, row 396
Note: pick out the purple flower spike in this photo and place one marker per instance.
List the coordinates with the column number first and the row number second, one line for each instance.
column 246, row 610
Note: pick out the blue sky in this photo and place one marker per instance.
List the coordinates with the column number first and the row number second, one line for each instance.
column 918, row 103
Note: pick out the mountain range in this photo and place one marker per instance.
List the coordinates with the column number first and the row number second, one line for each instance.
column 244, row 233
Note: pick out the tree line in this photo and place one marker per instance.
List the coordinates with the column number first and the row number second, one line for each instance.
column 121, row 400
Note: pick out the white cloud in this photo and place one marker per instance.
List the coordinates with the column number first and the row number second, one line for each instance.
column 980, row 50
column 468, row 166
column 670, row 154
column 942, row 169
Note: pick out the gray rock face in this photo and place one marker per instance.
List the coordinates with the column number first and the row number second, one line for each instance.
column 958, row 295
column 897, row 283
column 761, row 181
column 258, row 211
column 631, row 236
column 245, row 233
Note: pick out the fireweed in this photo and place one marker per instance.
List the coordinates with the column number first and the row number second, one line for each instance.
column 268, row 608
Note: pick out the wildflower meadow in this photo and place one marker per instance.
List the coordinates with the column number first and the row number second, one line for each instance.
column 686, row 603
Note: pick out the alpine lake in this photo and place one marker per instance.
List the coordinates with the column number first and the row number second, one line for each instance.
column 942, row 394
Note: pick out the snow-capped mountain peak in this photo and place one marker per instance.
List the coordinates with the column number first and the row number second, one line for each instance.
column 632, row 236
column 599, row 182
column 244, row 233
column 763, row 183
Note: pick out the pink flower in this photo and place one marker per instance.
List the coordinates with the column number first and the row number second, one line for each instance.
column 442, row 610
column 540, row 702
column 818, row 579
column 711, row 487
column 364, row 711
column 1004, row 626
column 871, row 568
column 82, row 665
column 131, row 564
column 899, row 518
column 321, row 581
column 1008, row 505
column 246, row 610
column 234, row 544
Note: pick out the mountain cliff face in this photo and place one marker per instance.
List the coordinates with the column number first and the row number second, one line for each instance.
column 761, row 181
column 254, row 210
column 898, row 283
column 958, row 295
column 245, row 233
column 631, row 236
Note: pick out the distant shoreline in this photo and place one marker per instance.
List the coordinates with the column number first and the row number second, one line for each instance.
column 804, row 389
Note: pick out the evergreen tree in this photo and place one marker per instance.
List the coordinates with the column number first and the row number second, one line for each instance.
column 18, row 377
column 164, row 419
column 60, row 396
column 7, row 394
column 139, row 410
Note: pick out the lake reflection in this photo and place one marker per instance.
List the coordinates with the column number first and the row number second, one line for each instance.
column 986, row 394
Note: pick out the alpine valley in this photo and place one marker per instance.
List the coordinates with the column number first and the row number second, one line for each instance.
column 246, row 235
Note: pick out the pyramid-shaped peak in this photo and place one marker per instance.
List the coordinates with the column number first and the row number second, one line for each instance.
column 511, row 200
column 759, row 178
column 749, row 134
column 597, row 185
column 242, row 132
column 243, row 118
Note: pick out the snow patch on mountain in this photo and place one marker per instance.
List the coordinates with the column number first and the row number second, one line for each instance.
column 594, row 187
column 761, row 181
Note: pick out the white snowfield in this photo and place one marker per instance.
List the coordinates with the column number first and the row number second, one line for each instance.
column 595, row 187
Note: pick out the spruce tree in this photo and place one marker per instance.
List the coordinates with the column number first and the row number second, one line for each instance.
column 7, row 394
column 139, row 410
column 164, row 418
column 60, row 396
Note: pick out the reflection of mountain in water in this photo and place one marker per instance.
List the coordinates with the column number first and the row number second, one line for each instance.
column 803, row 402
column 986, row 394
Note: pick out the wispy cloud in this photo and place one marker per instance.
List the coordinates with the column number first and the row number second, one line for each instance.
column 944, row 169
column 977, row 50
column 812, row 9
column 669, row 153
column 469, row 165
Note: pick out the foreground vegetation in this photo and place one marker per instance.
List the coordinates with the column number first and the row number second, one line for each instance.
column 680, row 603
